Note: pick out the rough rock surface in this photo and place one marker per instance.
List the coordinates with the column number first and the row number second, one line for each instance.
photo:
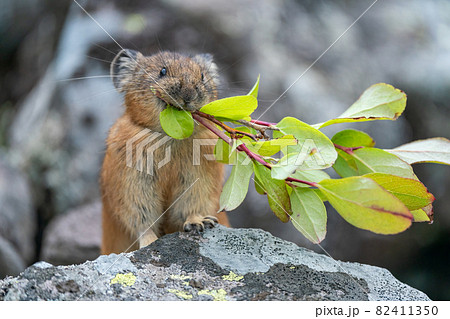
column 74, row 237
column 220, row 264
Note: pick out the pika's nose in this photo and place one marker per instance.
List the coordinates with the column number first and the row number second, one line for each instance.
column 188, row 94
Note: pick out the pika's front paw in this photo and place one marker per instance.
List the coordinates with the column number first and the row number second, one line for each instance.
column 199, row 223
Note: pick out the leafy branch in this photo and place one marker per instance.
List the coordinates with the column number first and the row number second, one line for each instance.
column 378, row 190
column 198, row 116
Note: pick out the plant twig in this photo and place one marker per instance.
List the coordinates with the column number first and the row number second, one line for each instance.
column 212, row 128
column 233, row 132
column 260, row 127
column 348, row 150
column 291, row 179
column 254, row 156
column 263, row 123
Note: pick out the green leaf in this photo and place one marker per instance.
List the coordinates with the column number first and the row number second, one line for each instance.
column 433, row 150
column 353, row 138
column 225, row 153
column 345, row 164
column 371, row 160
column 315, row 150
column 270, row 147
column 255, row 88
column 365, row 204
column 379, row 102
column 320, row 194
column 411, row 192
column 420, row 216
column 258, row 186
column 178, row 124
column 277, row 193
column 286, row 166
column 309, row 215
column 236, row 186
column 232, row 108
column 424, row 214
column 374, row 160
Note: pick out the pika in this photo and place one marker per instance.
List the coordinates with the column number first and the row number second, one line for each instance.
column 140, row 204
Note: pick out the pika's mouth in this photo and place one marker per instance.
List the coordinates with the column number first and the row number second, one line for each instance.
column 189, row 107
column 165, row 102
column 185, row 105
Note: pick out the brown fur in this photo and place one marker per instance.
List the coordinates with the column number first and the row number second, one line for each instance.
column 179, row 195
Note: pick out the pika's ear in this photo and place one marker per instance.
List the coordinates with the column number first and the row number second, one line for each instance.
column 206, row 60
column 122, row 65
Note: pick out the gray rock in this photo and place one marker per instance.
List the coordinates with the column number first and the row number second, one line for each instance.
column 42, row 264
column 220, row 264
column 74, row 237
column 17, row 216
column 113, row 264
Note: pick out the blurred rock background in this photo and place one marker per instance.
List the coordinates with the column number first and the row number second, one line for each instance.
column 57, row 104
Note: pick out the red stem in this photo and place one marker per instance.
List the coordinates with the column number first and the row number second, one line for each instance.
column 254, row 156
column 230, row 130
column 348, row 150
column 223, row 136
column 291, row 179
column 263, row 123
column 212, row 128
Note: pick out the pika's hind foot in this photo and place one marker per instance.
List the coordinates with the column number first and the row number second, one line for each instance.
column 199, row 223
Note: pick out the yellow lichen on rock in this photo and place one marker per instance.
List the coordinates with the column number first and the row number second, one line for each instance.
column 232, row 277
column 181, row 277
column 180, row 293
column 218, row 295
column 127, row 279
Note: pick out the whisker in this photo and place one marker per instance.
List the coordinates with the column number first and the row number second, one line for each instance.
column 90, row 96
column 102, row 47
column 101, row 60
column 85, row 77
column 159, row 44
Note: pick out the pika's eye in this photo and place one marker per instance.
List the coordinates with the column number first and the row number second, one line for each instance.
column 163, row 71
column 203, row 76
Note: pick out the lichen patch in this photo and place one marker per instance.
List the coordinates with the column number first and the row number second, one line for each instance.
column 180, row 293
column 218, row 295
column 127, row 279
column 232, row 277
